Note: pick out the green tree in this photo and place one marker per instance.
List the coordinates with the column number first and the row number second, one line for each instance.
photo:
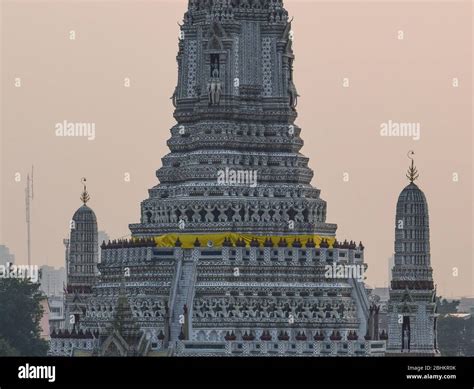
column 445, row 306
column 455, row 336
column 20, row 315
column 6, row 350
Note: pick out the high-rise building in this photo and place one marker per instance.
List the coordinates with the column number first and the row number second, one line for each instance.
column 391, row 262
column 56, row 312
column 6, row 256
column 412, row 306
column 52, row 280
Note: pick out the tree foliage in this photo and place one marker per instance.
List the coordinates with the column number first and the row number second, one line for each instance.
column 456, row 336
column 20, row 315
column 6, row 350
column 445, row 306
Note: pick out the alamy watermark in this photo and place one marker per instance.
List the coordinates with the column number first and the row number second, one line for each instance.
column 410, row 130
column 345, row 271
column 37, row 372
column 10, row 270
column 237, row 177
column 70, row 129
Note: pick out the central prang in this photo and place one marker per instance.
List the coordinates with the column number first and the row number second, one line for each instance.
column 235, row 163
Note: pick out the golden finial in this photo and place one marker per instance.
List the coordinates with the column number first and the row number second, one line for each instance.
column 412, row 173
column 84, row 196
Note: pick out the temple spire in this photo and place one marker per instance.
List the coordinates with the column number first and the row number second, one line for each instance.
column 84, row 196
column 412, row 173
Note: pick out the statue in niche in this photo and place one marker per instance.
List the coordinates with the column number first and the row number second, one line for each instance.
column 405, row 339
column 214, row 88
column 293, row 94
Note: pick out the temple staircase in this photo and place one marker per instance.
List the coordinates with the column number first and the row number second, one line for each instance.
column 184, row 295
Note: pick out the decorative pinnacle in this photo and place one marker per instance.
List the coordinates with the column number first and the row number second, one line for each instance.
column 84, row 196
column 412, row 173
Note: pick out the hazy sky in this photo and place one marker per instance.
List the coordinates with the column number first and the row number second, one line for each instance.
column 82, row 80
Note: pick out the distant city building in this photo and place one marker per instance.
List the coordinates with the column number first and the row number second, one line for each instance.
column 391, row 263
column 412, row 306
column 45, row 329
column 6, row 256
column 52, row 280
column 56, row 312
column 383, row 294
column 466, row 305
column 52, row 318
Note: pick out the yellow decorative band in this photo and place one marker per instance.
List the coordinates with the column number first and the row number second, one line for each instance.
column 217, row 240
